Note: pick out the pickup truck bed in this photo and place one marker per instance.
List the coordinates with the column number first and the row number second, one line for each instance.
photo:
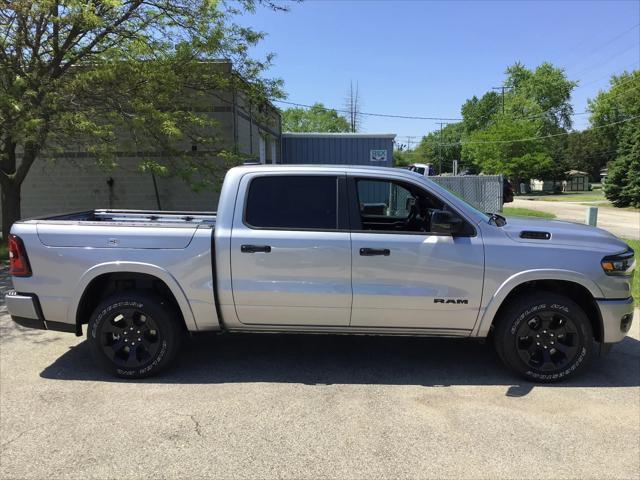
column 144, row 217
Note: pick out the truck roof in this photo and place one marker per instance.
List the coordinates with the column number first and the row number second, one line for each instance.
column 316, row 167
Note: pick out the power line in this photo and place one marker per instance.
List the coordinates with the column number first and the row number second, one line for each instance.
column 417, row 117
column 605, row 61
column 608, row 42
column 388, row 115
column 631, row 66
column 529, row 139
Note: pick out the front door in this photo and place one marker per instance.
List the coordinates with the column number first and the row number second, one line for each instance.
column 291, row 251
column 404, row 276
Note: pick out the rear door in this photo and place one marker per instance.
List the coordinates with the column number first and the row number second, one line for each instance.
column 291, row 250
column 405, row 276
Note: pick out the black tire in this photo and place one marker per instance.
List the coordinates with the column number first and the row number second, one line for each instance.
column 138, row 319
column 544, row 337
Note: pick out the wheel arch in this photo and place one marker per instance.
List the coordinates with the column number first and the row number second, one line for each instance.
column 573, row 285
column 90, row 289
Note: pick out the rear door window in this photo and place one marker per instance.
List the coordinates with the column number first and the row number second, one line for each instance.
column 293, row 202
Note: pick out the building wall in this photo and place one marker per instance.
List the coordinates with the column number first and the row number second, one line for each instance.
column 73, row 181
column 72, row 185
column 336, row 149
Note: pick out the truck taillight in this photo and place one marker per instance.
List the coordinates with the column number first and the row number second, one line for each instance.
column 18, row 261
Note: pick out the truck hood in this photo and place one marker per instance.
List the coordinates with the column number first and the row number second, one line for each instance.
column 562, row 233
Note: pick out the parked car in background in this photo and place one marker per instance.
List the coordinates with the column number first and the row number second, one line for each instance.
column 297, row 249
column 425, row 169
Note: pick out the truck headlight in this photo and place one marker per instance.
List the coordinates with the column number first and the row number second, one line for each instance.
column 621, row 264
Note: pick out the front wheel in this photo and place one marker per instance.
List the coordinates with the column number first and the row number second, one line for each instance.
column 134, row 334
column 544, row 337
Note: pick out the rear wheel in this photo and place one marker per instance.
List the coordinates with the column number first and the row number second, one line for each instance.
column 134, row 334
column 544, row 337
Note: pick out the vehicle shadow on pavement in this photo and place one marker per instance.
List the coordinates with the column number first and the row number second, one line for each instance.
column 341, row 359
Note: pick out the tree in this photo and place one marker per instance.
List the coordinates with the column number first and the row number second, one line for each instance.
column 536, row 104
column 353, row 108
column 616, row 115
column 90, row 75
column 588, row 151
column 494, row 152
column 442, row 148
column 478, row 112
column 318, row 118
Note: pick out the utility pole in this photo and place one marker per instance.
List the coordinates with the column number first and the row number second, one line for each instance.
column 440, row 146
column 409, row 141
column 502, row 90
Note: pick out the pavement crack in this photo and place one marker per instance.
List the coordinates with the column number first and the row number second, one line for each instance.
column 17, row 437
column 196, row 424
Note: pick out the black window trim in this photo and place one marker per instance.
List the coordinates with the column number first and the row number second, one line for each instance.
column 354, row 211
column 342, row 221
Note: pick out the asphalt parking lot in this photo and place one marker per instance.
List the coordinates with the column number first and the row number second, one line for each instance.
column 258, row 406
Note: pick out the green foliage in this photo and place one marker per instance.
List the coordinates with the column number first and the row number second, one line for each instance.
column 493, row 152
column 622, row 186
column 437, row 147
column 526, row 212
column 588, row 151
column 315, row 119
column 621, row 103
column 545, row 91
column 402, row 158
column 478, row 112
column 107, row 76
column 535, row 103
column 635, row 286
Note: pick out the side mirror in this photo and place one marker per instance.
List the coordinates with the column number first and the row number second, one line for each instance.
column 445, row 222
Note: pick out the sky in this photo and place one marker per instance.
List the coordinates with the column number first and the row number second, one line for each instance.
column 425, row 58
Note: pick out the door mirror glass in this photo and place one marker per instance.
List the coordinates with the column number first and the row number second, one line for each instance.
column 446, row 222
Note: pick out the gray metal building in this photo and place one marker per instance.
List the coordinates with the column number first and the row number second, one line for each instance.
column 338, row 148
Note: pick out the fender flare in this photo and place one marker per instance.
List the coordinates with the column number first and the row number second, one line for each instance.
column 132, row 267
column 496, row 301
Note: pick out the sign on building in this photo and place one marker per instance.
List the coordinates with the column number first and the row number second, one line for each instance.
column 377, row 155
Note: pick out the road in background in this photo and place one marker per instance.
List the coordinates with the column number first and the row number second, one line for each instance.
column 624, row 223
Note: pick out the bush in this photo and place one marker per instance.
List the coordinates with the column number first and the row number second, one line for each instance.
column 622, row 186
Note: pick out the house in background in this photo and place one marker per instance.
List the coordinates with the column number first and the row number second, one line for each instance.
column 603, row 175
column 577, row 181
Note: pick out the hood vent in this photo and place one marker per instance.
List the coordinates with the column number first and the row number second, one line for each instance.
column 532, row 235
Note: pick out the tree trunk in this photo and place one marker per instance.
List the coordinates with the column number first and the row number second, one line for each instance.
column 10, row 205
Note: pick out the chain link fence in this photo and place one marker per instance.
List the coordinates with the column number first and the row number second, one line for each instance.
column 484, row 192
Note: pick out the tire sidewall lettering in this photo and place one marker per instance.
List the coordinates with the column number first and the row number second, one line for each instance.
column 106, row 313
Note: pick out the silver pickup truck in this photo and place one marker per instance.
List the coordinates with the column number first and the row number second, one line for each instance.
column 323, row 249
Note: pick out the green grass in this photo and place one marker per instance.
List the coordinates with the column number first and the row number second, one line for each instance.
column 635, row 287
column 4, row 253
column 525, row 212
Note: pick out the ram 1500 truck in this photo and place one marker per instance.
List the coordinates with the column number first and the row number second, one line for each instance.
column 323, row 249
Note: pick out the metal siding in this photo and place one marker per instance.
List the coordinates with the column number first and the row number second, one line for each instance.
column 335, row 150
